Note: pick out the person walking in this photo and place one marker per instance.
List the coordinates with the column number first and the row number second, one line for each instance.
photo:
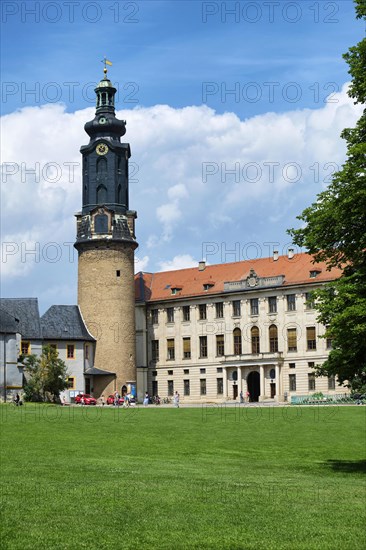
column 176, row 399
column 241, row 397
column 146, row 399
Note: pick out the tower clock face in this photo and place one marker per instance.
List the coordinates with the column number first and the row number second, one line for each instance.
column 102, row 120
column 101, row 149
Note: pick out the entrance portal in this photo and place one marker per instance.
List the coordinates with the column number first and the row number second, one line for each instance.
column 253, row 383
column 235, row 392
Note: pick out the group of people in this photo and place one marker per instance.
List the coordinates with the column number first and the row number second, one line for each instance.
column 157, row 399
column 247, row 397
column 16, row 399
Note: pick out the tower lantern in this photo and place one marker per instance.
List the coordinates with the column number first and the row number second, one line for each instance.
column 105, row 241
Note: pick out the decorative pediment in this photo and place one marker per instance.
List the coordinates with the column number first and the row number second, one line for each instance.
column 253, row 281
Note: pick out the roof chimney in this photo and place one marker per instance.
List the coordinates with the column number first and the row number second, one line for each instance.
column 202, row 265
column 290, row 253
column 275, row 255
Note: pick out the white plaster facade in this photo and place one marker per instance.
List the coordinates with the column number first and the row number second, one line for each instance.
column 220, row 377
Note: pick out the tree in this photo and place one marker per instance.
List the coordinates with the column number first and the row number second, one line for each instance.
column 47, row 374
column 335, row 232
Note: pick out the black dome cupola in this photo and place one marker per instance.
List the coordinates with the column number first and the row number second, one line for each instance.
column 105, row 158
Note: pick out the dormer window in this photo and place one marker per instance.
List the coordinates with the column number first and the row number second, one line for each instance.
column 207, row 286
column 314, row 273
column 175, row 290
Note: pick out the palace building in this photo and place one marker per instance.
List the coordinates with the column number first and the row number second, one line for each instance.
column 214, row 331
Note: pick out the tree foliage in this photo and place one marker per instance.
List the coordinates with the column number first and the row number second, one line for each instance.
column 334, row 231
column 46, row 375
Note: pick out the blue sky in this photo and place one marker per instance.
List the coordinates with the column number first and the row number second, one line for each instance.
column 258, row 89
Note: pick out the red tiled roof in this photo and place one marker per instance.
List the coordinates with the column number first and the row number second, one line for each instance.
column 157, row 286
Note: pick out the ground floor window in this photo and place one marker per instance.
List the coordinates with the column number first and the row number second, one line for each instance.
column 170, row 388
column 311, row 381
column 220, row 386
column 331, row 383
column 155, row 387
column 203, row 386
column 71, row 383
column 292, row 382
column 186, row 387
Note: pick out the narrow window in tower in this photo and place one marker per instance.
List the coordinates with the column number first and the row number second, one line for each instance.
column 118, row 273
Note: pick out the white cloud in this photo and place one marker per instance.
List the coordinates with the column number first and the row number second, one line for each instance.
column 198, row 177
column 178, row 262
column 141, row 263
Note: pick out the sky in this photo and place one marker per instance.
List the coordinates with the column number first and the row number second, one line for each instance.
column 234, row 112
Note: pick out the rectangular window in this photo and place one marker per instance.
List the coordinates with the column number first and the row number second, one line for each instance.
column 170, row 349
column 54, row 346
column 202, row 371
column 311, row 338
column 202, row 312
column 309, row 300
column 155, row 350
column 186, row 389
column 220, row 386
column 329, row 342
column 219, row 310
column 154, row 372
column 203, row 386
column 311, row 381
column 71, row 383
column 331, row 383
column 292, row 382
column 291, row 339
column 86, row 351
column 272, row 304
column 236, row 308
column 170, row 388
column 291, row 302
column 170, row 373
column 218, row 369
column 186, row 313
column 25, row 346
column 186, row 348
column 155, row 387
column 186, row 371
column 170, row 314
column 70, row 351
column 254, row 306
column 292, row 365
column 203, row 346
column 155, row 316
column 220, row 345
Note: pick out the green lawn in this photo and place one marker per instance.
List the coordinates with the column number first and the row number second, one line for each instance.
column 165, row 478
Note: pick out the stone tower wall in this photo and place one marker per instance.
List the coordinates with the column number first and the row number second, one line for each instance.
column 107, row 303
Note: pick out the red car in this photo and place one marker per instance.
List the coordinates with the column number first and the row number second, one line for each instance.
column 110, row 400
column 88, row 399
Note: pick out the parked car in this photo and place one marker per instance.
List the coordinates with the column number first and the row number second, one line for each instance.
column 110, row 400
column 88, row 399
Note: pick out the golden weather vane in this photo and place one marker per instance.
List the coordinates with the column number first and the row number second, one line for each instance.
column 106, row 62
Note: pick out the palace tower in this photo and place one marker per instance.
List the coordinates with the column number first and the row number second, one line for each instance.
column 105, row 243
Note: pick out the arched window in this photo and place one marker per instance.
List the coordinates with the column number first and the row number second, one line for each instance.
column 254, row 332
column 237, row 341
column 273, row 339
column 119, row 194
column 101, row 194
